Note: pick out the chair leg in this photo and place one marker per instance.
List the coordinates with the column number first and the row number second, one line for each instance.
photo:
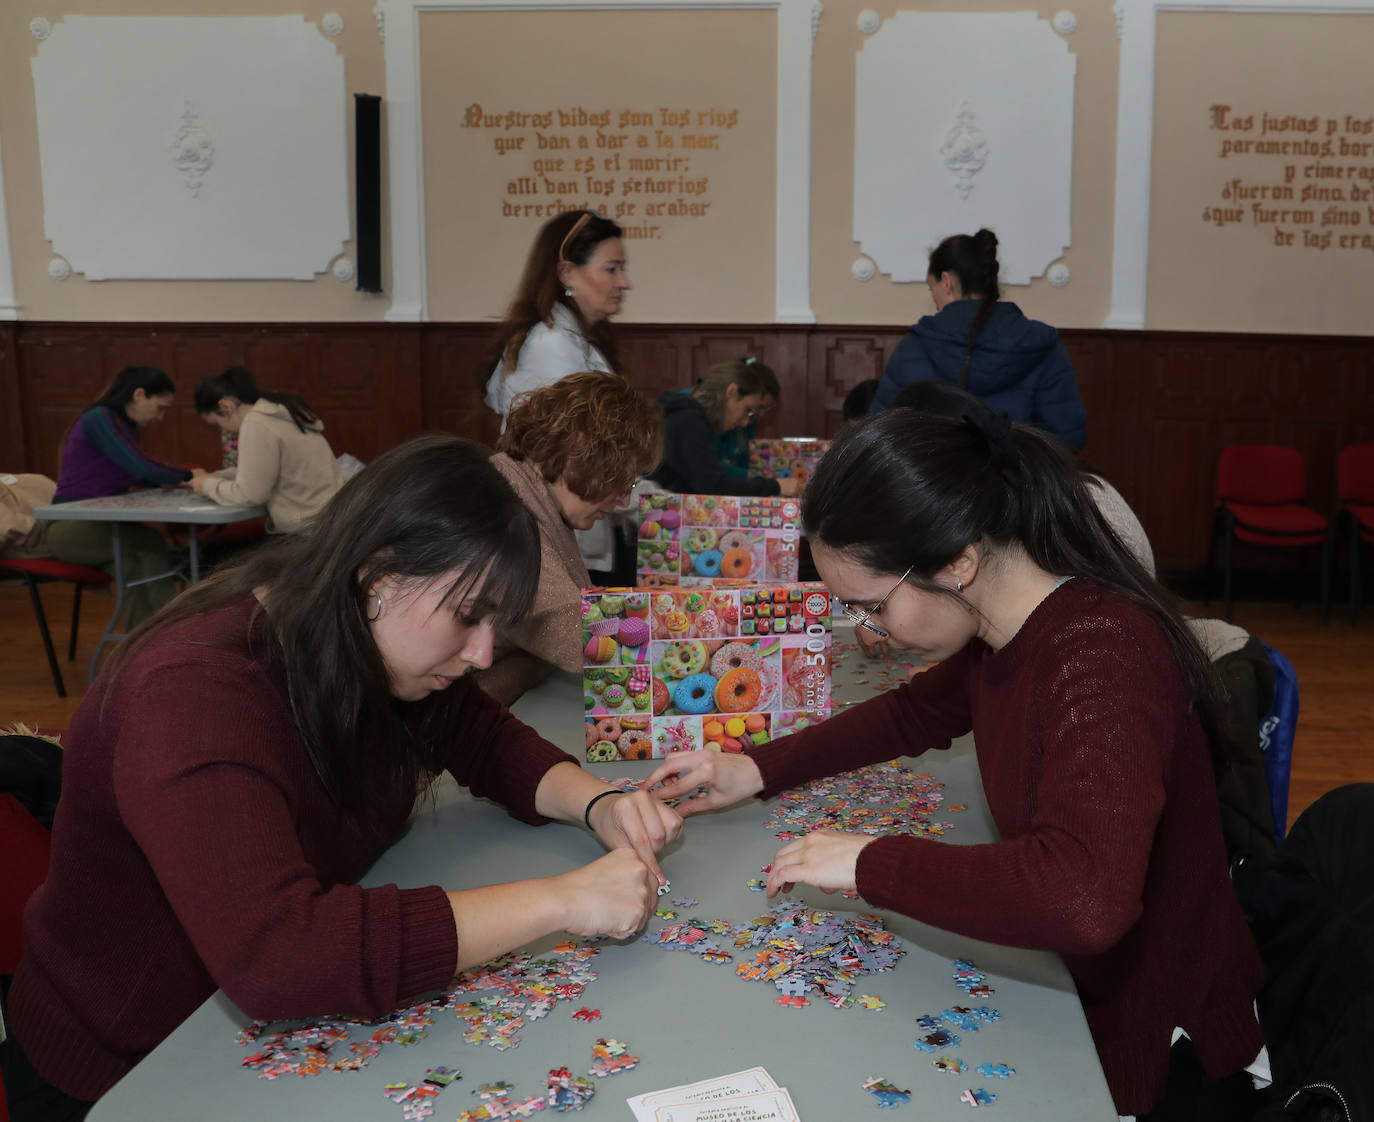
column 76, row 622
column 1211, row 559
column 1226, row 571
column 1328, row 546
column 1354, row 572
column 47, row 636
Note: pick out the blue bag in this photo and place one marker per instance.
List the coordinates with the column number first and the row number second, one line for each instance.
column 1277, row 729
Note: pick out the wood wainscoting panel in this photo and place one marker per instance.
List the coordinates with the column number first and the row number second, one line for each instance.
column 1161, row 405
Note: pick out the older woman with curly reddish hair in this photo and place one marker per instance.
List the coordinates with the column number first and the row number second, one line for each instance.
column 572, row 451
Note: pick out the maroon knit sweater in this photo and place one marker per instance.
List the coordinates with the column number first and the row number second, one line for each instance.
column 195, row 848
column 1100, row 782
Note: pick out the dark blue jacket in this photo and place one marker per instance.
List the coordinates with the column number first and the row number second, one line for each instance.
column 1019, row 365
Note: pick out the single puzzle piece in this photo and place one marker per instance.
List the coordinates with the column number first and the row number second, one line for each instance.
column 588, row 1015
column 887, row 1095
column 951, row 1064
column 872, row 1002
column 937, row 1039
column 928, row 1023
column 665, row 888
column 995, row 1071
column 685, row 901
column 442, row 1076
column 497, row 1090
column 756, row 885
column 791, row 1002
column 979, row 1097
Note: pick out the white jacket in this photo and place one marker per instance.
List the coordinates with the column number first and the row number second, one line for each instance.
column 548, row 355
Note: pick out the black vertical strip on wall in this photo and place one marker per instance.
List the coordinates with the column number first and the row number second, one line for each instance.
column 367, row 170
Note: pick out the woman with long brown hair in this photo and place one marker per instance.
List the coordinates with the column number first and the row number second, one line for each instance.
column 253, row 748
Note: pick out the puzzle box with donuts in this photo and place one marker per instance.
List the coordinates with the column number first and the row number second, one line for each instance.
column 786, row 456
column 678, row 669
column 693, row 540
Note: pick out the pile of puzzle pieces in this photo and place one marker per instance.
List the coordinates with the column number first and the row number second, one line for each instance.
column 883, row 798
column 526, row 989
column 417, row 1101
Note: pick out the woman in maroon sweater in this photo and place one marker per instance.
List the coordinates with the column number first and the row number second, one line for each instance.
column 256, row 745
column 977, row 545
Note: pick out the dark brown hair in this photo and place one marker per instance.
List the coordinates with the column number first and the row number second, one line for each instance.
column 973, row 259
column 747, row 375
column 593, row 430
column 238, row 384
column 433, row 506
column 540, row 289
column 904, row 488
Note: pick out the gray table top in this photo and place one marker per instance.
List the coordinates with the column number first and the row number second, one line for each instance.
column 685, row 1018
column 165, row 504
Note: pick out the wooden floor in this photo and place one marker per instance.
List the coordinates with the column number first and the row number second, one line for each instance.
column 1335, row 667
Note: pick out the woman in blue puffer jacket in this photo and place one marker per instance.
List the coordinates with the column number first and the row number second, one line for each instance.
column 986, row 345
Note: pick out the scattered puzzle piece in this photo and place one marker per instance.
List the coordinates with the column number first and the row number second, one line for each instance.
column 869, row 1001
column 588, row 1015
column 979, row 1097
column 791, row 1002
column 935, row 1040
column 887, row 1095
column 995, row 1071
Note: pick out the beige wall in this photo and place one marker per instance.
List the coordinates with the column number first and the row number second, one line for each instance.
column 75, row 298
column 838, row 298
column 1236, row 276
column 720, row 269
column 486, row 187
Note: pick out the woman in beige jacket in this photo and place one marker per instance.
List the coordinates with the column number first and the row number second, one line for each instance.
column 572, row 451
column 284, row 461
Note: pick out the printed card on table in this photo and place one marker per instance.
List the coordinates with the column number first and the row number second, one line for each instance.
column 695, row 540
column 723, row 1088
column 675, row 670
column 763, row 1106
column 786, row 457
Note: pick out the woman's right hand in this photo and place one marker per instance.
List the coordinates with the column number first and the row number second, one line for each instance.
column 874, row 646
column 614, row 895
column 724, row 777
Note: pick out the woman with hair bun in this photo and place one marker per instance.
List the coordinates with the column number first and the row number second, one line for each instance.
column 1092, row 707
column 572, row 451
column 987, row 345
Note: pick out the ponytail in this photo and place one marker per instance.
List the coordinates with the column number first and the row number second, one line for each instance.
column 973, row 259
column 906, row 489
column 238, row 384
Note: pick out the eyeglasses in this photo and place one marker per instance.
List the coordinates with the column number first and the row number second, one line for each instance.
column 864, row 619
column 587, row 216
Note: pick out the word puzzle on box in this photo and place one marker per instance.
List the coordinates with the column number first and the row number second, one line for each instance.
column 694, row 540
column 675, row 670
column 786, row 457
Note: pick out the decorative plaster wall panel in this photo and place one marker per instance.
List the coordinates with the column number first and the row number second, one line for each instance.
column 963, row 120
column 9, row 307
column 223, row 157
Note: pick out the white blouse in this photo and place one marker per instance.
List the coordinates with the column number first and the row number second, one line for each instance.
column 548, row 355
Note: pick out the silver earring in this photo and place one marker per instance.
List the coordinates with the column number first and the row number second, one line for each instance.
column 373, row 617
column 568, row 293
column 958, row 586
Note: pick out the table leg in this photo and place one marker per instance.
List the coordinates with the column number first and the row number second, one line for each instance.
column 195, row 554
column 110, row 634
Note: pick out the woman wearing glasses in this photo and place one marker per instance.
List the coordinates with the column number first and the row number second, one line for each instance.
column 977, row 544
column 730, row 396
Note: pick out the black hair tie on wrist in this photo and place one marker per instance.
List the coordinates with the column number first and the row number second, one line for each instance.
column 587, row 814
column 995, row 428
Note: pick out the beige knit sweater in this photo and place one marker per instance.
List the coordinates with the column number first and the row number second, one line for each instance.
column 551, row 634
column 292, row 473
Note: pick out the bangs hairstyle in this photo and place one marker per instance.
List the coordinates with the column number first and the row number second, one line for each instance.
column 593, row 430
column 431, row 508
column 903, row 488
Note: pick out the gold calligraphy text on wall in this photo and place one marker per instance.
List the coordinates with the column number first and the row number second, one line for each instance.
column 647, row 169
column 1308, row 182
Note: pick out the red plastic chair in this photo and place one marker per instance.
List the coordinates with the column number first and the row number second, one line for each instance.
column 1355, row 489
column 1260, row 493
column 44, row 571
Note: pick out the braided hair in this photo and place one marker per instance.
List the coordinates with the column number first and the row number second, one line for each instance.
column 973, row 259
